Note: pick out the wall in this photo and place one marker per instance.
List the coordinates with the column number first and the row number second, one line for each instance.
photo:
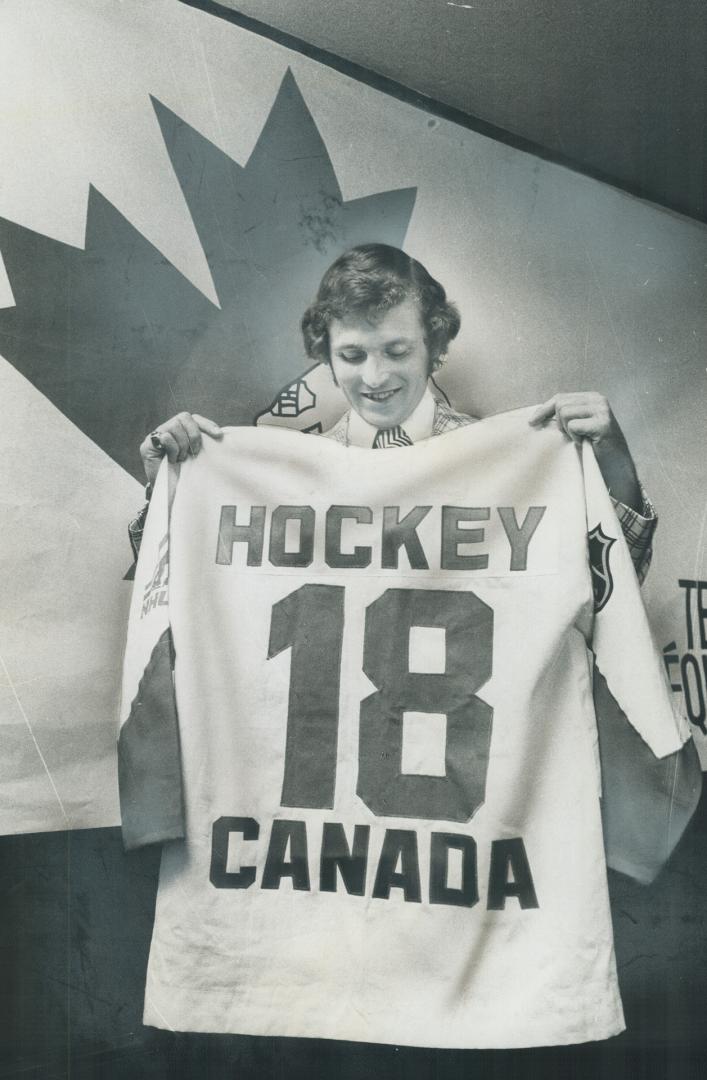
column 120, row 308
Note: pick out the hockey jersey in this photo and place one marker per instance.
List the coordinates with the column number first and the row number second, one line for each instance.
column 376, row 758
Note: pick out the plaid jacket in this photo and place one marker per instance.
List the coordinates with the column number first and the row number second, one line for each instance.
column 637, row 528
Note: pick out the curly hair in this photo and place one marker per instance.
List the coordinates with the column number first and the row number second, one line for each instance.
column 370, row 279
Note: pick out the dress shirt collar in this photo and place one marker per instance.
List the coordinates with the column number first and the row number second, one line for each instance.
column 418, row 425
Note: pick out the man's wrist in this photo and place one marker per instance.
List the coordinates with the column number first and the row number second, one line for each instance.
column 619, row 472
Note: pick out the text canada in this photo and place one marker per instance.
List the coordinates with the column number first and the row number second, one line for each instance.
column 343, row 864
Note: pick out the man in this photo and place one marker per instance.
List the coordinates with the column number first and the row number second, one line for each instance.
column 383, row 324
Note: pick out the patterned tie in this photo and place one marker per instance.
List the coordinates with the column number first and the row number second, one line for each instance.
column 394, row 436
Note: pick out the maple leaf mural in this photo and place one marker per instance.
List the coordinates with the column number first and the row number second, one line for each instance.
column 119, row 340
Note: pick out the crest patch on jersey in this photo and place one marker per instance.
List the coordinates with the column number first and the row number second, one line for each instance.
column 602, row 581
column 294, row 399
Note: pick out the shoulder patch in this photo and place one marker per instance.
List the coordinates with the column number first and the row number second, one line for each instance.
column 602, row 580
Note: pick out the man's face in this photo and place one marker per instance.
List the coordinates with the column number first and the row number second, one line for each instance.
column 382, row 365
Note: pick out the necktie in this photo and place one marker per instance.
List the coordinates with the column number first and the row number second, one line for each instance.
column 387, row 437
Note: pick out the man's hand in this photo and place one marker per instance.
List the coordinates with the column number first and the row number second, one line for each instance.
column 177, row 438
column 589, row 416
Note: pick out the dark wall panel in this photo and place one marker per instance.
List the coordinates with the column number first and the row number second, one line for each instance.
column 618, row 89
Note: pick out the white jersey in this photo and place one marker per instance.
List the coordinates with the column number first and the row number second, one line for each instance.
column 383, row 754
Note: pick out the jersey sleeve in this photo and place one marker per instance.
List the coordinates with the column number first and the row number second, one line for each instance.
column 622, row 641
column 149, row 764
column 650, row 775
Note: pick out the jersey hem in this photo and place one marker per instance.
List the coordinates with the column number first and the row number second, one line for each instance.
column 159, row 1013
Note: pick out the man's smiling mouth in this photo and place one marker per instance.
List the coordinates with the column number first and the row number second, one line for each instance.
column 379, row 395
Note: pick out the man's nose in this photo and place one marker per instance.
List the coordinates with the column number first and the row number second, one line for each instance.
column 375, row 371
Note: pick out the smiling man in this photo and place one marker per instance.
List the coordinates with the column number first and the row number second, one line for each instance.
column 382, row 366
column 383, row 324
column 382, row 830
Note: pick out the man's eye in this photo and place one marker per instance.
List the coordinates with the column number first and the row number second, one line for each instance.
column 353, row 357
column 398, row 351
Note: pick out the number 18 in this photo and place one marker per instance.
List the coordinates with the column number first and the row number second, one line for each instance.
column 310, row 621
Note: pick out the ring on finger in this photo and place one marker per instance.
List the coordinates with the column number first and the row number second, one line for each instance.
column 156, row 440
